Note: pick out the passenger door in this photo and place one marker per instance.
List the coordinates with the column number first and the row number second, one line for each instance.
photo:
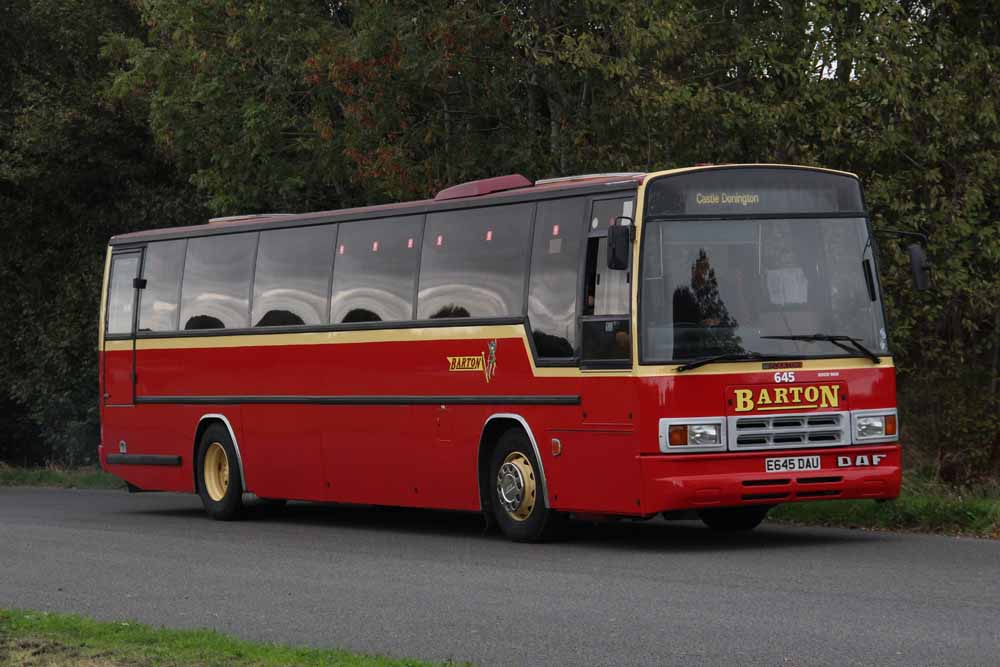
column 598, row 470
column 119, row 328
column 606, row 335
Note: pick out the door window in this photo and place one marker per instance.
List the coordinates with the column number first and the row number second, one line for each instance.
column 606, row 328
column 121, row 293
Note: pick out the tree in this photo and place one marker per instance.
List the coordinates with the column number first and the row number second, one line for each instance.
column 73, row 171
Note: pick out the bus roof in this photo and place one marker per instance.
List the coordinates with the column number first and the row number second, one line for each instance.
column 483, row 192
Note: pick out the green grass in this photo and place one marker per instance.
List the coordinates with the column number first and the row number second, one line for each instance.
column 65, row 478
column 923, row 505
column 60, row 640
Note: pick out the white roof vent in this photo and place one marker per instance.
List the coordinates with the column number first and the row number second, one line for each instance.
column 584, row 177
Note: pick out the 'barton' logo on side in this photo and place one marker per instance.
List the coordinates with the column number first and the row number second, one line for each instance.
column 485, row 362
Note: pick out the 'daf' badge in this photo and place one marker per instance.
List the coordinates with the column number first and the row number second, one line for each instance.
column 485, row 362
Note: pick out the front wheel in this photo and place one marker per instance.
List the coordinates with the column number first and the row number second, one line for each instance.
column 516, row 493
column 219, row 482
column 734, row 519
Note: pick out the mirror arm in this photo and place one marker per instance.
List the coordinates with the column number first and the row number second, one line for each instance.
column 900, row 233
column 920, row 266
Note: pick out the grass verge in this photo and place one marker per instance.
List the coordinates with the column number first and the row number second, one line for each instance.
column 36, row 639
column 923, row 505
column 65, row 478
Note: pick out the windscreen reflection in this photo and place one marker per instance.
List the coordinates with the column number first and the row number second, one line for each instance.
column 715, row 287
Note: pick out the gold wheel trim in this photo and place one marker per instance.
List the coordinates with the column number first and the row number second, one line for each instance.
column 516, row 487
column 216, row 471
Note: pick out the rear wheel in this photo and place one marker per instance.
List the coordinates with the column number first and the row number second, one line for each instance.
column 733, row 519
column 219, row 482
column 516, row 493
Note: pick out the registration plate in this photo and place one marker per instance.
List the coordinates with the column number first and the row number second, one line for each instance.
column 792, row 464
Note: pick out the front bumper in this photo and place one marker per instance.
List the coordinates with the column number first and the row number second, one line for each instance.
column 696, row 481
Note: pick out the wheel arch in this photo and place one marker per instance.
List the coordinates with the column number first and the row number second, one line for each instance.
column 494, row 426
column 203, row 423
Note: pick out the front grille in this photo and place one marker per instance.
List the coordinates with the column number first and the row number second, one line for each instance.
column 789, row 431
column 819, row 480
column 765, row 496
column 766, row 482
column 818, row 494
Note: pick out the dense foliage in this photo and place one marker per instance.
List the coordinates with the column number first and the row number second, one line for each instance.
column 73, row 170
column 122, row 114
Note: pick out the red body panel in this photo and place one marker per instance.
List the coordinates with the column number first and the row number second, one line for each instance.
column 117, row 374
column 426, row 455
column 725, row 480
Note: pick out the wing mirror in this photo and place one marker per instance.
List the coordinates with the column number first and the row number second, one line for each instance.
column 619, row 243
column 919, row 266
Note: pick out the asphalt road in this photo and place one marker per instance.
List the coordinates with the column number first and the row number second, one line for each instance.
column 431, row 585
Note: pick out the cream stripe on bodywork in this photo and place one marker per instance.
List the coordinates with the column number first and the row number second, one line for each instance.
column 501, row 331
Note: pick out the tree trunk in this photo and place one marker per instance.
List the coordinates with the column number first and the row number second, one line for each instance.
column 995, row 389
column 848, row 30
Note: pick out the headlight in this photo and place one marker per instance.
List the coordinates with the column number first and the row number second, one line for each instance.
column 869, row 427
column 692, row 434
column 704, row 434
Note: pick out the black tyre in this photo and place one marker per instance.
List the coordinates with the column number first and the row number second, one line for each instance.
column 516, row 493
column 219, row 482
column 733, row 519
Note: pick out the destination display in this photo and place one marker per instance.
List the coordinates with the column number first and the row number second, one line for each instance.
column 752, row 191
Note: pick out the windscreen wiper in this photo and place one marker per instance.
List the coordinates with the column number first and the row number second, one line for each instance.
column 727, row 356
column 839, row 341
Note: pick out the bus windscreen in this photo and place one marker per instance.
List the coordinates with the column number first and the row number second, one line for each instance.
column 712, row 287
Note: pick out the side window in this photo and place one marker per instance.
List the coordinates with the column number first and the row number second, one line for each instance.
column 216, row 292
column 473, row 262
column 375, row 270
column 121, row 293
column 552, row 289
column 607, row 289
column 292, row 281
column 160, row 301
column 606, row 329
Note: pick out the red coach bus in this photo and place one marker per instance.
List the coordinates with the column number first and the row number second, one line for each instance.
column 708, row 339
